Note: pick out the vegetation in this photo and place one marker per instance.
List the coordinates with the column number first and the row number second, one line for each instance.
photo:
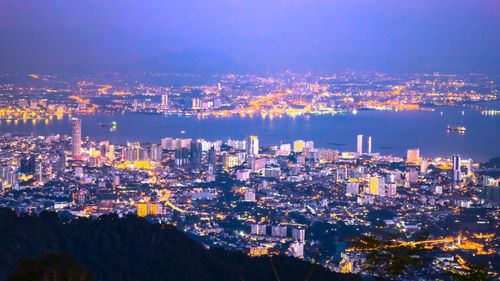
column 111, row 248
column 50, row 267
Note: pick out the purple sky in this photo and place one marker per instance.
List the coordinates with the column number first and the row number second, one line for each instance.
column 250, row 35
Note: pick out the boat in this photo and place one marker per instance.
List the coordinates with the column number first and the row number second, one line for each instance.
column 456, row 128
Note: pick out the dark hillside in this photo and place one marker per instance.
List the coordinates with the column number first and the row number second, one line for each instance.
column 112, row 248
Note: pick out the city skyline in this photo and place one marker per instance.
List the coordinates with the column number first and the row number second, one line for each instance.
column 252, row 140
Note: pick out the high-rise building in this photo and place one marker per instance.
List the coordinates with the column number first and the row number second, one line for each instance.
column 195, row 103
column 76, row 138
column 181, row 156
column 413, row 156
column 257, row 164
column 297, row 249
column 424, row 165
column 212, row 156
column 155, row 152
column 309, row 145
column 230, row 160
column 258, row 229
column 377, row 185
column 298, row 146
column 28, row 165
column 164, row 102
column 279, row 230
column 456, row 172
column 299, row 234
column 468, row 164
column 369, row 145
column 252, row 146
column 61, row 165
column 360, row 144
column 195, row 154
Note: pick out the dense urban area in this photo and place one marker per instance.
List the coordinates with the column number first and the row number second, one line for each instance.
column 351, row 211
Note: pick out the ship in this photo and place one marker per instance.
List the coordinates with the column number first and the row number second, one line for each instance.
column 112, row 125
column 460, row 129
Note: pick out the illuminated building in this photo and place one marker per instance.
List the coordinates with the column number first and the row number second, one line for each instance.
column 77, row 137
column 28, row 165
column 468, row 165
column 116, row 180
column 243, row 175
column 155, row 152
column 258, row 229
column 250, row 195
column 195, row 154
column 167, row 143
column 103, row 148
column 298, row 146
column 164, row 102
column 272, row 172
column 456, row 172
column 360, row 144
column 149, row 208
column 328, row 155
column 142, row 209
column 309, row 145
column 258, row 251
column 195, row 103
column 297, row 249
column 284, row 149
column 181, row 156
column 412, row 176
column 389, row 190
column 230, row 160
column 257, row 164
column 369, row 145
column 413, row 156
column 279, row 231
column 299, row 234
column 135, row 152
column 79, row 171
column 252, row 146
column 212, row 157
column 377, row 185
column 352, row 188
column 346, row 266
column 424, row 166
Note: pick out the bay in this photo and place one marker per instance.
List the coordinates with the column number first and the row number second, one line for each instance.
column 392, row 132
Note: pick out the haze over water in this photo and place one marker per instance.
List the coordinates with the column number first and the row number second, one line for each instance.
column 392, row 132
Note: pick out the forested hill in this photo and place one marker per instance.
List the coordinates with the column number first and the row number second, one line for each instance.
column 112, row 248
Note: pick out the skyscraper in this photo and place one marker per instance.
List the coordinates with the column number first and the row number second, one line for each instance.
column 76, row 138
column 28, row 165
column 195, row 154
column 164, row 102
column 456, row 173
column 413, row 156
column 369, row 145
column 212, row 156
column 252, row 146
column 360, row 144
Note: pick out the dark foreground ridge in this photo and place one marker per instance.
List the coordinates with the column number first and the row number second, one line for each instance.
column 110, row 248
